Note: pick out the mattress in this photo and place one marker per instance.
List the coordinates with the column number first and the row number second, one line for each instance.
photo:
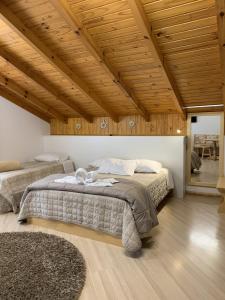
column 13, row 183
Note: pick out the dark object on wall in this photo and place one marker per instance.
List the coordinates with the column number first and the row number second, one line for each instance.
column 194, row 119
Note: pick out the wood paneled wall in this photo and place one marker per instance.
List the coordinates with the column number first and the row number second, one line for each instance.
column 159, row 124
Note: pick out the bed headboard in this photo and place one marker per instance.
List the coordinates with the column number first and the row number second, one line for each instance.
column 169, row 150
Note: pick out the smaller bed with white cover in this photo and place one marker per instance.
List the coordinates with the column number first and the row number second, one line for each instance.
column 16, row 176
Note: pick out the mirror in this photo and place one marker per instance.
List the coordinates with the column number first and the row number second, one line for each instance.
column 205, row 153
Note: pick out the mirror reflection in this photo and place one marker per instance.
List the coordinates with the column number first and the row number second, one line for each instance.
column 205, row 152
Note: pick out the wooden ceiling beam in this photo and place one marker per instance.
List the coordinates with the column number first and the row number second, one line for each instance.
column 28, row 97
column 21, row 103
column 29, row 72
column 32, row 40
column 63, row 8
column 220, row 8
column 150, row 41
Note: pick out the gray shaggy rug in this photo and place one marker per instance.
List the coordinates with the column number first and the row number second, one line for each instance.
column 34, row 265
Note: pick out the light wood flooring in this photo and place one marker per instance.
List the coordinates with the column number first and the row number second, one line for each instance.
column 184, row 260
column 209, row 171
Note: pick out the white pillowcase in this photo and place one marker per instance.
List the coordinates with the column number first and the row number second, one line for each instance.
column 97, row 163
column 117, row 166
column 148, row 166
column 50, row 157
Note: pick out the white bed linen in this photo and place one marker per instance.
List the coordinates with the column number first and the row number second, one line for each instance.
column 146, row 178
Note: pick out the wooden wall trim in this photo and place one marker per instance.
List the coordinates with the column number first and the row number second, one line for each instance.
column 220, row 6
column 159, row 125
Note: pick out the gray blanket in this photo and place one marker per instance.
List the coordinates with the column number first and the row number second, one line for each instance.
column 129, row 191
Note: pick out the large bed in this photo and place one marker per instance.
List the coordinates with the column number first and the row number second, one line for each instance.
column 14, row 183
column 127, row 210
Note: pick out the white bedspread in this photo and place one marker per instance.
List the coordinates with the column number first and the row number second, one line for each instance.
column 98, row 182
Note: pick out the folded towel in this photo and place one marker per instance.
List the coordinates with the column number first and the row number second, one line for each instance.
column 67, row 179
column 103, row 182
column 82, row 176
column 99, row 182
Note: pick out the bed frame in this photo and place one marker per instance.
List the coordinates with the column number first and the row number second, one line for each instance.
column 79, row 230
column 76, row 230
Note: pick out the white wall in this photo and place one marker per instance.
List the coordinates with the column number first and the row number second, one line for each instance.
column 83, row 149
column 21, row 133
column 206, row 125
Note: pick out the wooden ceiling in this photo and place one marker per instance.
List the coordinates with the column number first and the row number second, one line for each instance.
column 68, row 58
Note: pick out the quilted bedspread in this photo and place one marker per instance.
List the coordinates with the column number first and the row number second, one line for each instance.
column 124, row 210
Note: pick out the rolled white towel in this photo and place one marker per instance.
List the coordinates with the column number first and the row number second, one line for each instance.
column 91, row 176
column 81, row 175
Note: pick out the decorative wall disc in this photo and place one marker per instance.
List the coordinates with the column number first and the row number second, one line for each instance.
column 131, row 123
column 103, row 124
column 78, row 126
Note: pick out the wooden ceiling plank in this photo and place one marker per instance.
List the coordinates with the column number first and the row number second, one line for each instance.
column 16, row 89
column 220, row 8
column 63, row 8
column 21, row 103
column 13, row 61
column 27, row 35
column 150, row 41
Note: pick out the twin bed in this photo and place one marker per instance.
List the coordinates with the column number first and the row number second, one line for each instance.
column 14, row 183
column 126, row 210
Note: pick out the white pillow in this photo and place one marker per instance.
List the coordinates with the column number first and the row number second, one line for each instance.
column 117, row 166
column 97, row 163
column 148, row 166
column 49, row 157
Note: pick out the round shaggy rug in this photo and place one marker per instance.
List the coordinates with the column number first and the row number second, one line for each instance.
column 34, row 265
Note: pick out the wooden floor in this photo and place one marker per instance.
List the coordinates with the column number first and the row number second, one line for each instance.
column 209, row 171
column 184, row 260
